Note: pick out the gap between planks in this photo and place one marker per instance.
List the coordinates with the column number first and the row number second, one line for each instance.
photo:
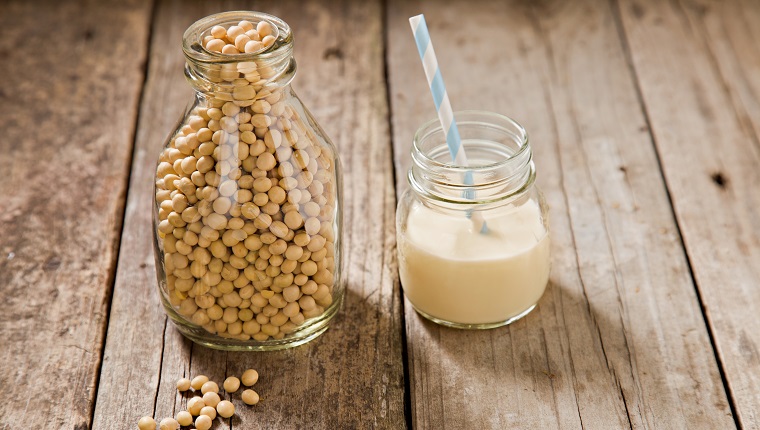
column 404, row 346
column 699, row 55
column 615, row 5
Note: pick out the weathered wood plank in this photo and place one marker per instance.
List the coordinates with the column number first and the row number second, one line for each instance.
column 350, row 377
column 698, row 66
column 71, row 79
column 618, row 340
column 139, row 334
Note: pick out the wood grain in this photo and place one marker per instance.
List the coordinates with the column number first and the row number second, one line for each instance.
column 139, row 334
column 350, row 377
column 618, row 340
column 68, row 105
column 698, row 64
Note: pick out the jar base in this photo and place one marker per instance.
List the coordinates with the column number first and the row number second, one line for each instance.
column 484, row 326
column 309, row 332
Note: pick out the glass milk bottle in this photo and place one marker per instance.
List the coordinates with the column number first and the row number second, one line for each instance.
column 473, row 253
column 248, row 196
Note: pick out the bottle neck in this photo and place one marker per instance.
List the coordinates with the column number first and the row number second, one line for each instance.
column 500, row 162
column 216, row 74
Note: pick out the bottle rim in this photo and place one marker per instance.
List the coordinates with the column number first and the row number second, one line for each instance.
column 195, row 52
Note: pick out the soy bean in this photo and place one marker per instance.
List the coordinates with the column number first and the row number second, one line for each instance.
column 250, row 397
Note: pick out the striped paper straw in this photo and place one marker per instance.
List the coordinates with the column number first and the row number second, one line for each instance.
column 443, row 106
column 437, row 87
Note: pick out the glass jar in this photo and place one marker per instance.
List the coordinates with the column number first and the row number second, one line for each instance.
column 473, row 253
column 248, row 201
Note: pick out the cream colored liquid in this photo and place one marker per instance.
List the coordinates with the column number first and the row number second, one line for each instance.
column 453, row 273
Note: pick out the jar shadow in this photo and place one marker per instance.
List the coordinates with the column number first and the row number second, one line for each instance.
column 566, row 347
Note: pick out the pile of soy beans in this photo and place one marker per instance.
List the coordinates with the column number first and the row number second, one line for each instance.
column 246, row 199
column 207, row 405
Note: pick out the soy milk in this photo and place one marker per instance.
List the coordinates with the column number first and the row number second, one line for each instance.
column 455, row 274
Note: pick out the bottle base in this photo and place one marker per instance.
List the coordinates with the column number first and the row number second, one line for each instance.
column 307, row 332
column 483, row 326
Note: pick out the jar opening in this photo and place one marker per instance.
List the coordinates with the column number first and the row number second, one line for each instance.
column 500, row 160
column 192, row 40
column 228, row 24
column 213, row 72
column 508, row 138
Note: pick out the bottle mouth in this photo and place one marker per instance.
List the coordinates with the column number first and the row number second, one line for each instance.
column 214, row 73
column 500, row 160
column 192, row 40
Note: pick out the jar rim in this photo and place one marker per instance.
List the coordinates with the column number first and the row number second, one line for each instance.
column 434, row 125
column 433, row 174
column 191, row 38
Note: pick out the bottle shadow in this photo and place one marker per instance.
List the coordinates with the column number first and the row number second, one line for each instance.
column 356, row 365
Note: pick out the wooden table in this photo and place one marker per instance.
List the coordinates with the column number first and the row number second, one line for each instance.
column 645, row 122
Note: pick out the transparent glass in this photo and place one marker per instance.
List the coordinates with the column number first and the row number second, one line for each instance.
column 248, row 202
column 473, row 241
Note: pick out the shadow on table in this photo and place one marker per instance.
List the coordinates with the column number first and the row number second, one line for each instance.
column 566, row 349
column 355, row 366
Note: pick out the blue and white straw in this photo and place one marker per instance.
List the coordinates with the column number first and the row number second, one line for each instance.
column 443, row 106
column 437, row 87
